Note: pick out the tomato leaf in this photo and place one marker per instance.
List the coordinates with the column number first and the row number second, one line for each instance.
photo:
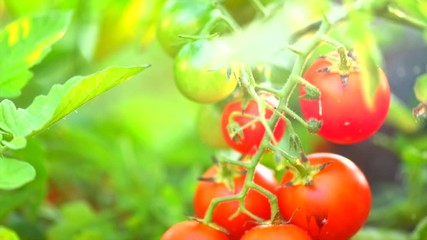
column 7, row 234
column 23, row 43
column 32, row 195
column 17, row 122
column 60, row 101
column 15, row 173
column 367, row 52
column 420, row 88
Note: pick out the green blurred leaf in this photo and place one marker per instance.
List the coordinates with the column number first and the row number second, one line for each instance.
column 420, row 88
column 400, row 117
column 367, row 52
column 80, row 222
column 370, row 233
column 414, row 8
column 420, row 232
column 15, row 173
column 7, row 234
column 60, row 101
column 64, row 99
column 33, row 193
column 23, row 43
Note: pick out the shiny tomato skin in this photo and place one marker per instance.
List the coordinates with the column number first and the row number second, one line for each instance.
column 346, row 118
column 249, row 142
column 334, row 206
column 255, row 202
column 276, row 232
column 192, row 230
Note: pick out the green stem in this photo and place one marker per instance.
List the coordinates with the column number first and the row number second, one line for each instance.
column 268, row 89
column 227, row 18
column 396, row 15
column 259, row 7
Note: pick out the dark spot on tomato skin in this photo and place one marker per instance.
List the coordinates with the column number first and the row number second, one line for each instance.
column 324, row 70
column 321, row 220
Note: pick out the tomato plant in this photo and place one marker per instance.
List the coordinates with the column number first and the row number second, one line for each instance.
column 332, row 204
column 223, row 214
column 193, row 230
column 346, row 117
column 197, row 74
column 241, row 129
column 182, row 17
column 276, row 232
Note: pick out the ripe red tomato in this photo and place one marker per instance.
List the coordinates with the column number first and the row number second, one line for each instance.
column 334, row 206
column 255, row 202
column 346, row 118
column 276, row 232
column 192, row 230
column 248, row 142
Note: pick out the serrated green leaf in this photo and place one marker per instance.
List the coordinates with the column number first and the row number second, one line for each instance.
column 23, row 43
column 15, row 173
column 60, row 101
column 64, row 99
column 7, row 234
column 367, row 52
column 17, row 122
column 420, row 88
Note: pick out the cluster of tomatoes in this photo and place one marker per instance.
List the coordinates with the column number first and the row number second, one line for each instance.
column 326, row 196
column 333, row 204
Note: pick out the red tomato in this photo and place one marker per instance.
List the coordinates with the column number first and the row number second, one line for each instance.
column 255, row 202
column 346, row 118
column 334, row 206
column 248, row 142
column 192, row 230
column 276, row 232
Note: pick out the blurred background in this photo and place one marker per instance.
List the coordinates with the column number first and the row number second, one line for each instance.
column 124, row 166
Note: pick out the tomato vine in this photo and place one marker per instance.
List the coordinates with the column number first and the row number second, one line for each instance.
column 321, row 29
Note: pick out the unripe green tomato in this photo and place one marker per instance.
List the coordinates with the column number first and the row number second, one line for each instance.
column 182, row 17
column 199, row 76
column 209, row 126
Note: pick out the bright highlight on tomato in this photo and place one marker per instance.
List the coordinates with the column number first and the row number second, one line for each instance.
column 192, row 230
column 346, row 117
column 334, row 206
column 248, row 138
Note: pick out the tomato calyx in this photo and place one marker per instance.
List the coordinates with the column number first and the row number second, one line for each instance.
column 303, row 172
column 226, row 174
column 342, row 62
column 314, row 125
